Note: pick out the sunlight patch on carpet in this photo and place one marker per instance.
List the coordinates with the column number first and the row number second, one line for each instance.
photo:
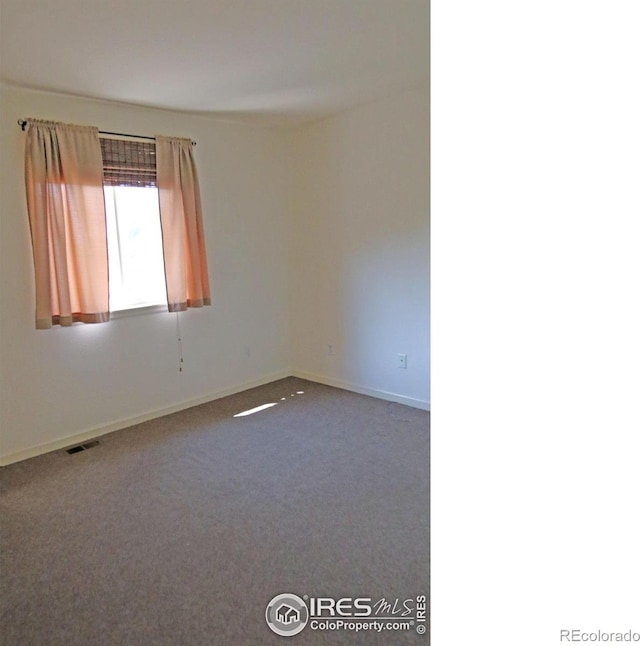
column 257, row 409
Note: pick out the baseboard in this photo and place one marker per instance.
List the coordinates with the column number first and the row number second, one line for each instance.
column 97, row 431
column 363, row 390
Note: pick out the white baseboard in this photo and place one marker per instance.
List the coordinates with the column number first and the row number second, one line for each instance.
column 363, row 390
column 97, row 431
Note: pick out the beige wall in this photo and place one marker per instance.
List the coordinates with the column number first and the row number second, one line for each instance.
column 61, row 382
column 317, row 235
column 360, row 277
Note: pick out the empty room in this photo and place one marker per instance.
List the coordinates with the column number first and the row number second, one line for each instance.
column 215, row 332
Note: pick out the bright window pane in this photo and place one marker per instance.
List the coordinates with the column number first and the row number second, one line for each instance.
column 134, row 240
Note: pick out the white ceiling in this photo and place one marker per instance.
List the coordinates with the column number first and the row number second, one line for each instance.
column 270, row 61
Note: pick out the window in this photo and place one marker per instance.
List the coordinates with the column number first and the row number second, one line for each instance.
column 134, row 245
column 134, row 235
column 69, row 194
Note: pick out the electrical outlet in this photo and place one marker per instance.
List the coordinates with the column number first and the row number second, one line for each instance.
column 402, row 361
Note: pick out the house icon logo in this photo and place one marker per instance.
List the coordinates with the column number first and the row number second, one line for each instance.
column 286, row 614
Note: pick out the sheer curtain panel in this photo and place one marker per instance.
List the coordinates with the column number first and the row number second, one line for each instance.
column 185, row 256
column 63, row 174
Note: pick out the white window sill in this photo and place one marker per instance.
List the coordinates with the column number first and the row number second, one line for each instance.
column 137, row 311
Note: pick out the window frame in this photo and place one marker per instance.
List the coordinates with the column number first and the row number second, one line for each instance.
column 145, row 179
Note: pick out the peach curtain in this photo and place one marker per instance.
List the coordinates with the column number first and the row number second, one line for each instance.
column 65, row 200
column 185, row 257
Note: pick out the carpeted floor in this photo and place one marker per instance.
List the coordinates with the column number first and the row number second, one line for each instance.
column 180, row 530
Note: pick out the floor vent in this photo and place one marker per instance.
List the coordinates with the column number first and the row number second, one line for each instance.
column 82, row 447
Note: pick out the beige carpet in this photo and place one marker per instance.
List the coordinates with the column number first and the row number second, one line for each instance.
column 180, row 530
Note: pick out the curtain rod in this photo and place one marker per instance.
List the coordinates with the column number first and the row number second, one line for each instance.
column 23, row 124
